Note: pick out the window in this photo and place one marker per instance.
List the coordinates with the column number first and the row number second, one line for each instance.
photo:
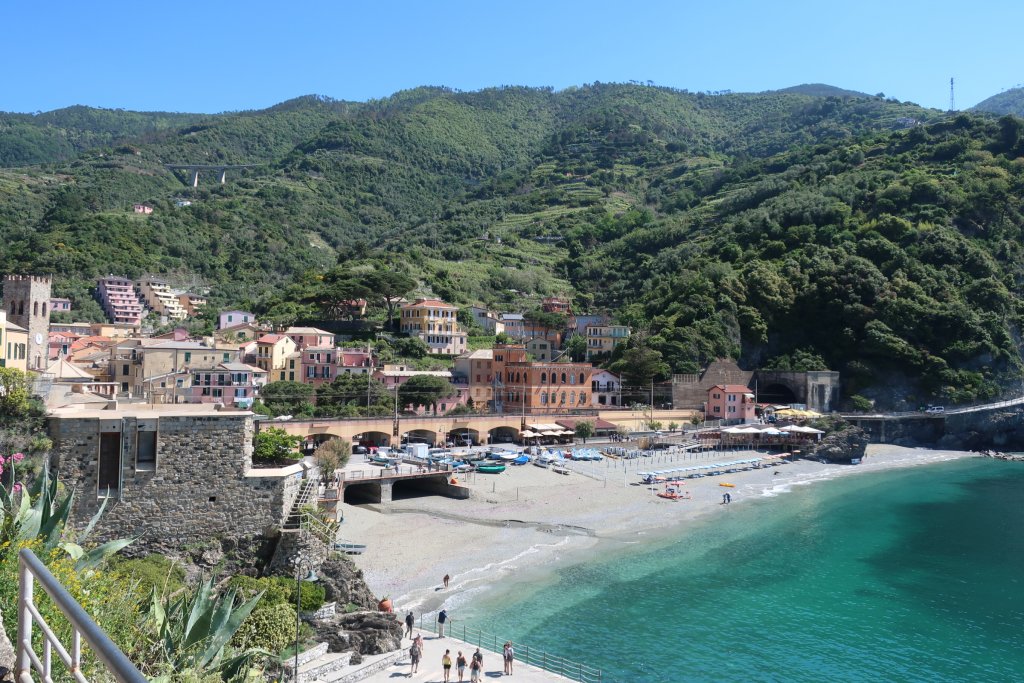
column 718, row 409
column 188, row 356
column 227, row 356
column 291, row 376
column 125, row 369
column 230, row 318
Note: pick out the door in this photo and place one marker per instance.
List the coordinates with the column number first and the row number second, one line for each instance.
column 110, row 464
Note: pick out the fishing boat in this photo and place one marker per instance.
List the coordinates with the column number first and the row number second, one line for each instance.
column 521, row 460
column 491, row 468
column 508, row 457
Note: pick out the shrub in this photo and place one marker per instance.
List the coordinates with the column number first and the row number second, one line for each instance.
column 270, row 627
column 313, row 594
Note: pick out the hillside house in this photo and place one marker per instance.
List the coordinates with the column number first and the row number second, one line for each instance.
column 434, row 321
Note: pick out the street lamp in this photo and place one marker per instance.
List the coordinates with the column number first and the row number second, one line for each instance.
column 301, row 564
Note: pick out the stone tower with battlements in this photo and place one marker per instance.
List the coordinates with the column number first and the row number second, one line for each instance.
column 27, row 303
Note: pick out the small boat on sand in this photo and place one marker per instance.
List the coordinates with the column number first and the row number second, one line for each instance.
column 732, row 486
column 492, row 468
column 558, row 468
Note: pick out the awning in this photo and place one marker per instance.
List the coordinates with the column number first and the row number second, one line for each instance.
column 550, row 433
column 528, row 434
column 802, row 430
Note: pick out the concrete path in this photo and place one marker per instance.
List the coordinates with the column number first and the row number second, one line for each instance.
column 430, row 665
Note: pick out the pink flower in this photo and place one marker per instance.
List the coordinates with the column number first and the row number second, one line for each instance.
column 18, row 457
column 17, row 488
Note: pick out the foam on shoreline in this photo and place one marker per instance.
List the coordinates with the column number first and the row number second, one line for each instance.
column 480, row 553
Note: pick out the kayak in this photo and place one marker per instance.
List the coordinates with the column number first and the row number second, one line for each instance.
column 732, row 486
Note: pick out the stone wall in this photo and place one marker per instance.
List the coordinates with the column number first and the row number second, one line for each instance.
column 200, row 489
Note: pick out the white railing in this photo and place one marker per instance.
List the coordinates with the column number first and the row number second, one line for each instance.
column 30, row 571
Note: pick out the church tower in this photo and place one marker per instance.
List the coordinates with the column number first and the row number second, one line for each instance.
column 27, row 303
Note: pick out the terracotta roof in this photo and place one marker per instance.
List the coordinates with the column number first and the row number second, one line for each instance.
column 429, row 303
column 733, row 388
column 270, row 339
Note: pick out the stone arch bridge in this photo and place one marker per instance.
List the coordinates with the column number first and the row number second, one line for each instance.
column 387, row 431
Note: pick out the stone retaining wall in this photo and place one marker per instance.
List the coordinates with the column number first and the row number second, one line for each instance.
column 198, row 490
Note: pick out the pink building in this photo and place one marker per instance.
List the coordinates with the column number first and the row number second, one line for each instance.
column 142, row 208
column 227, row 383
column 394, row 376
column 732, row 402
column 232, row 318
column 119, row 301
column 354, row 362
column 59, row 305
column 318, row 365
column 310, row 337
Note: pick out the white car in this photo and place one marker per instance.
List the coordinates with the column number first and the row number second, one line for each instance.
column 935, row 409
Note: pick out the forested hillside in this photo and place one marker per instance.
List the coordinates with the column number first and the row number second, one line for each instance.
column 784, row 228
column 1007, row 102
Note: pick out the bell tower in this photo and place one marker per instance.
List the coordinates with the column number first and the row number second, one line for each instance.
column 27, row 303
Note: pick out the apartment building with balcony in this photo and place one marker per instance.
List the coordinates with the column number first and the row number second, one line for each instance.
column 732, row 402
column 227, row 383
column 117, row 297
column 272, row 352
column 319, row 365
column 434, row 321
column 605, row 389
column 602, row 339
column 158, row 296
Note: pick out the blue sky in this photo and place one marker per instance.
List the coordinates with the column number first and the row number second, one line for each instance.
column 225, row 55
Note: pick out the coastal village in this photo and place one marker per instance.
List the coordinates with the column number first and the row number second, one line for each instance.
column 155, row 431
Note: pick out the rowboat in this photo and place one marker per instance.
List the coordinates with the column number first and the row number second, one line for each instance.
column 561, row 469
column 493, row 468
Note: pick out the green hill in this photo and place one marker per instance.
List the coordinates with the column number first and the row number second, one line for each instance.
column 784, row 228
column 1007, row 102
column 822, row 90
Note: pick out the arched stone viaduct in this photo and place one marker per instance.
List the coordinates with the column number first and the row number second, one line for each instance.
column 381, row 431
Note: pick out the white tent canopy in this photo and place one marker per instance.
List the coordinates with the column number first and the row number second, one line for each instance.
column 802, row 430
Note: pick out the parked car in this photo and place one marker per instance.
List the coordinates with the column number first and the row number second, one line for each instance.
column 935, row 409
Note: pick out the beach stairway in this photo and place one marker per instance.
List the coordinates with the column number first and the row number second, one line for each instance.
column 307, row 496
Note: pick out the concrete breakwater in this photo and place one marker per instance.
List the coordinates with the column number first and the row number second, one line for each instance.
column 999, row 428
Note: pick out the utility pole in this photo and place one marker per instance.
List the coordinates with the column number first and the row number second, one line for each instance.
column 952, row 99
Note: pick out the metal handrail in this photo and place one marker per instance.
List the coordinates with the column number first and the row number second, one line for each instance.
column 542, row 659
column 30, row 570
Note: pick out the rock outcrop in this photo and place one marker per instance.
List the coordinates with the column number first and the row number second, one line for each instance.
column 362, row 633
column 344, row 584
column 842, row 446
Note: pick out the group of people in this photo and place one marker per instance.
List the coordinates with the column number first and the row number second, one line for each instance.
column 726, row 498
column 475, row 663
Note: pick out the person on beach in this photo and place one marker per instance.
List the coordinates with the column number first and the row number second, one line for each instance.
column 409, row 621
column 460, row 665
column 442, row 617
column 474, row 670
column 724, row 498
column 446, row 664
column 728, row 498
column 446, row 580
column 508, row 654
column 414, row 658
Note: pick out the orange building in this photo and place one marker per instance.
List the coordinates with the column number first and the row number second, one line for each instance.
column 538, row 388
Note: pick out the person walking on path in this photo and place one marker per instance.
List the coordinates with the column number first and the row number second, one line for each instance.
column 446, row 664
column 460, row 665
column 474, row 668
column 409, row 621
column 414, row 658
column 442, row 617
column 508, row 654
column 446, row 580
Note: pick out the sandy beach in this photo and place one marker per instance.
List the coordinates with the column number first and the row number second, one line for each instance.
column 529, row 517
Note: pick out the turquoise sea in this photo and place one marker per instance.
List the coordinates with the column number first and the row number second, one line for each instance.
column 904, row 575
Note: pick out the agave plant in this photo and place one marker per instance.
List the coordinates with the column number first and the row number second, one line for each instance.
column 195, row 628
column 37, row 513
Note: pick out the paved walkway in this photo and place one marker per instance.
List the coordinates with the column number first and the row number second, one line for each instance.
column 430, row 665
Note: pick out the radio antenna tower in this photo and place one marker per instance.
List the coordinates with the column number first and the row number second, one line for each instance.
column 952, row 99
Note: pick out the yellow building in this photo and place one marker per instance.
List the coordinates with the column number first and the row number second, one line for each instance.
column 159, row 297
column 602, row 339
column 434, row 321
column 272, row 353
column 13, row 345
